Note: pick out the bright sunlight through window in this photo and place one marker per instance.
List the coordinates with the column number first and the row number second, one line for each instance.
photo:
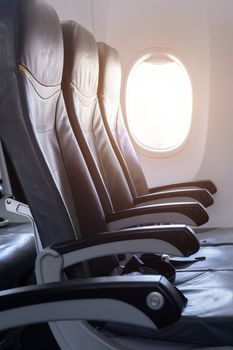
column 159, row 103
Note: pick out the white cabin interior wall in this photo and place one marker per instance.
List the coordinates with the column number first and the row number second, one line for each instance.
column 182, row 26
column 77, row 10
column 218, row 160
column 201, row 32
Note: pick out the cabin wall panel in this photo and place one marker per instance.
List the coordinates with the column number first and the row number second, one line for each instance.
column 180, row 25
column 218, row 160
column 78, row 10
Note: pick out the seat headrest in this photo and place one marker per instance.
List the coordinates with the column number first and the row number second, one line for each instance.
column 109, row 72
column 81, row 64
column 39, row 41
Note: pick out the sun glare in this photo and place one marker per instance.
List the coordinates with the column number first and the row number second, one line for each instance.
column 159, row 104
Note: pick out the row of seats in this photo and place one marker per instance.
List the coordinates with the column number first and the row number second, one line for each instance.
column 87, row 205
column 80, row 83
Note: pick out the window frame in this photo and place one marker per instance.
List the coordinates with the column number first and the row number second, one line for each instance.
column 134, row 62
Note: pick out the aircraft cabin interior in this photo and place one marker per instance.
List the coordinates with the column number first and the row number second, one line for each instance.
column 116, row 174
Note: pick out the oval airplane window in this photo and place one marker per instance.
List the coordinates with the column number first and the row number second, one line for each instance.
column 159, row 103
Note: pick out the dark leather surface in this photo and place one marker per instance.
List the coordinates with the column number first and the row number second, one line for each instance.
column 109, row 99
column 86, row 201
column 206, row 320
column 44, row 57
column 199, row 194
column 194, row 210
column 215, row 236
column 180, row 236
column 82, row 57
column 109, row 74
column 35, row 130
column 207, row 184
column 17, row 254
column 208, row 314
column 16, row 130
column 81, row 52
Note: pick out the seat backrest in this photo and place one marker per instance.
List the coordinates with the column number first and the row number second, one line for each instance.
column 80, row 80
column 35, row 130
column 109, row 89
column 30, row 87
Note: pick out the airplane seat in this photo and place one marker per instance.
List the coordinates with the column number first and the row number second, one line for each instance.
column 80, row 102
column 80, row 81
column 79, row 86
column 37, row 137
column 43, row 134
column 17, row 249
column 54, row 178
column 31, row 101
column 109, row 88
column 44, row 152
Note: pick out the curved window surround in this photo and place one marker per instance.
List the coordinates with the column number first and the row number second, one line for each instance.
column 159, row 103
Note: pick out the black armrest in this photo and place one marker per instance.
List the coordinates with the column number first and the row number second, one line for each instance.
column 207, row 184
column 194, row 210
column 201, row 195
column 52, row 261
column 180, row 237
column 138, row 300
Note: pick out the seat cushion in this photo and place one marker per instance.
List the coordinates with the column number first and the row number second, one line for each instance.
column 215, row 236
column 207, row 320
column 17, row 253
